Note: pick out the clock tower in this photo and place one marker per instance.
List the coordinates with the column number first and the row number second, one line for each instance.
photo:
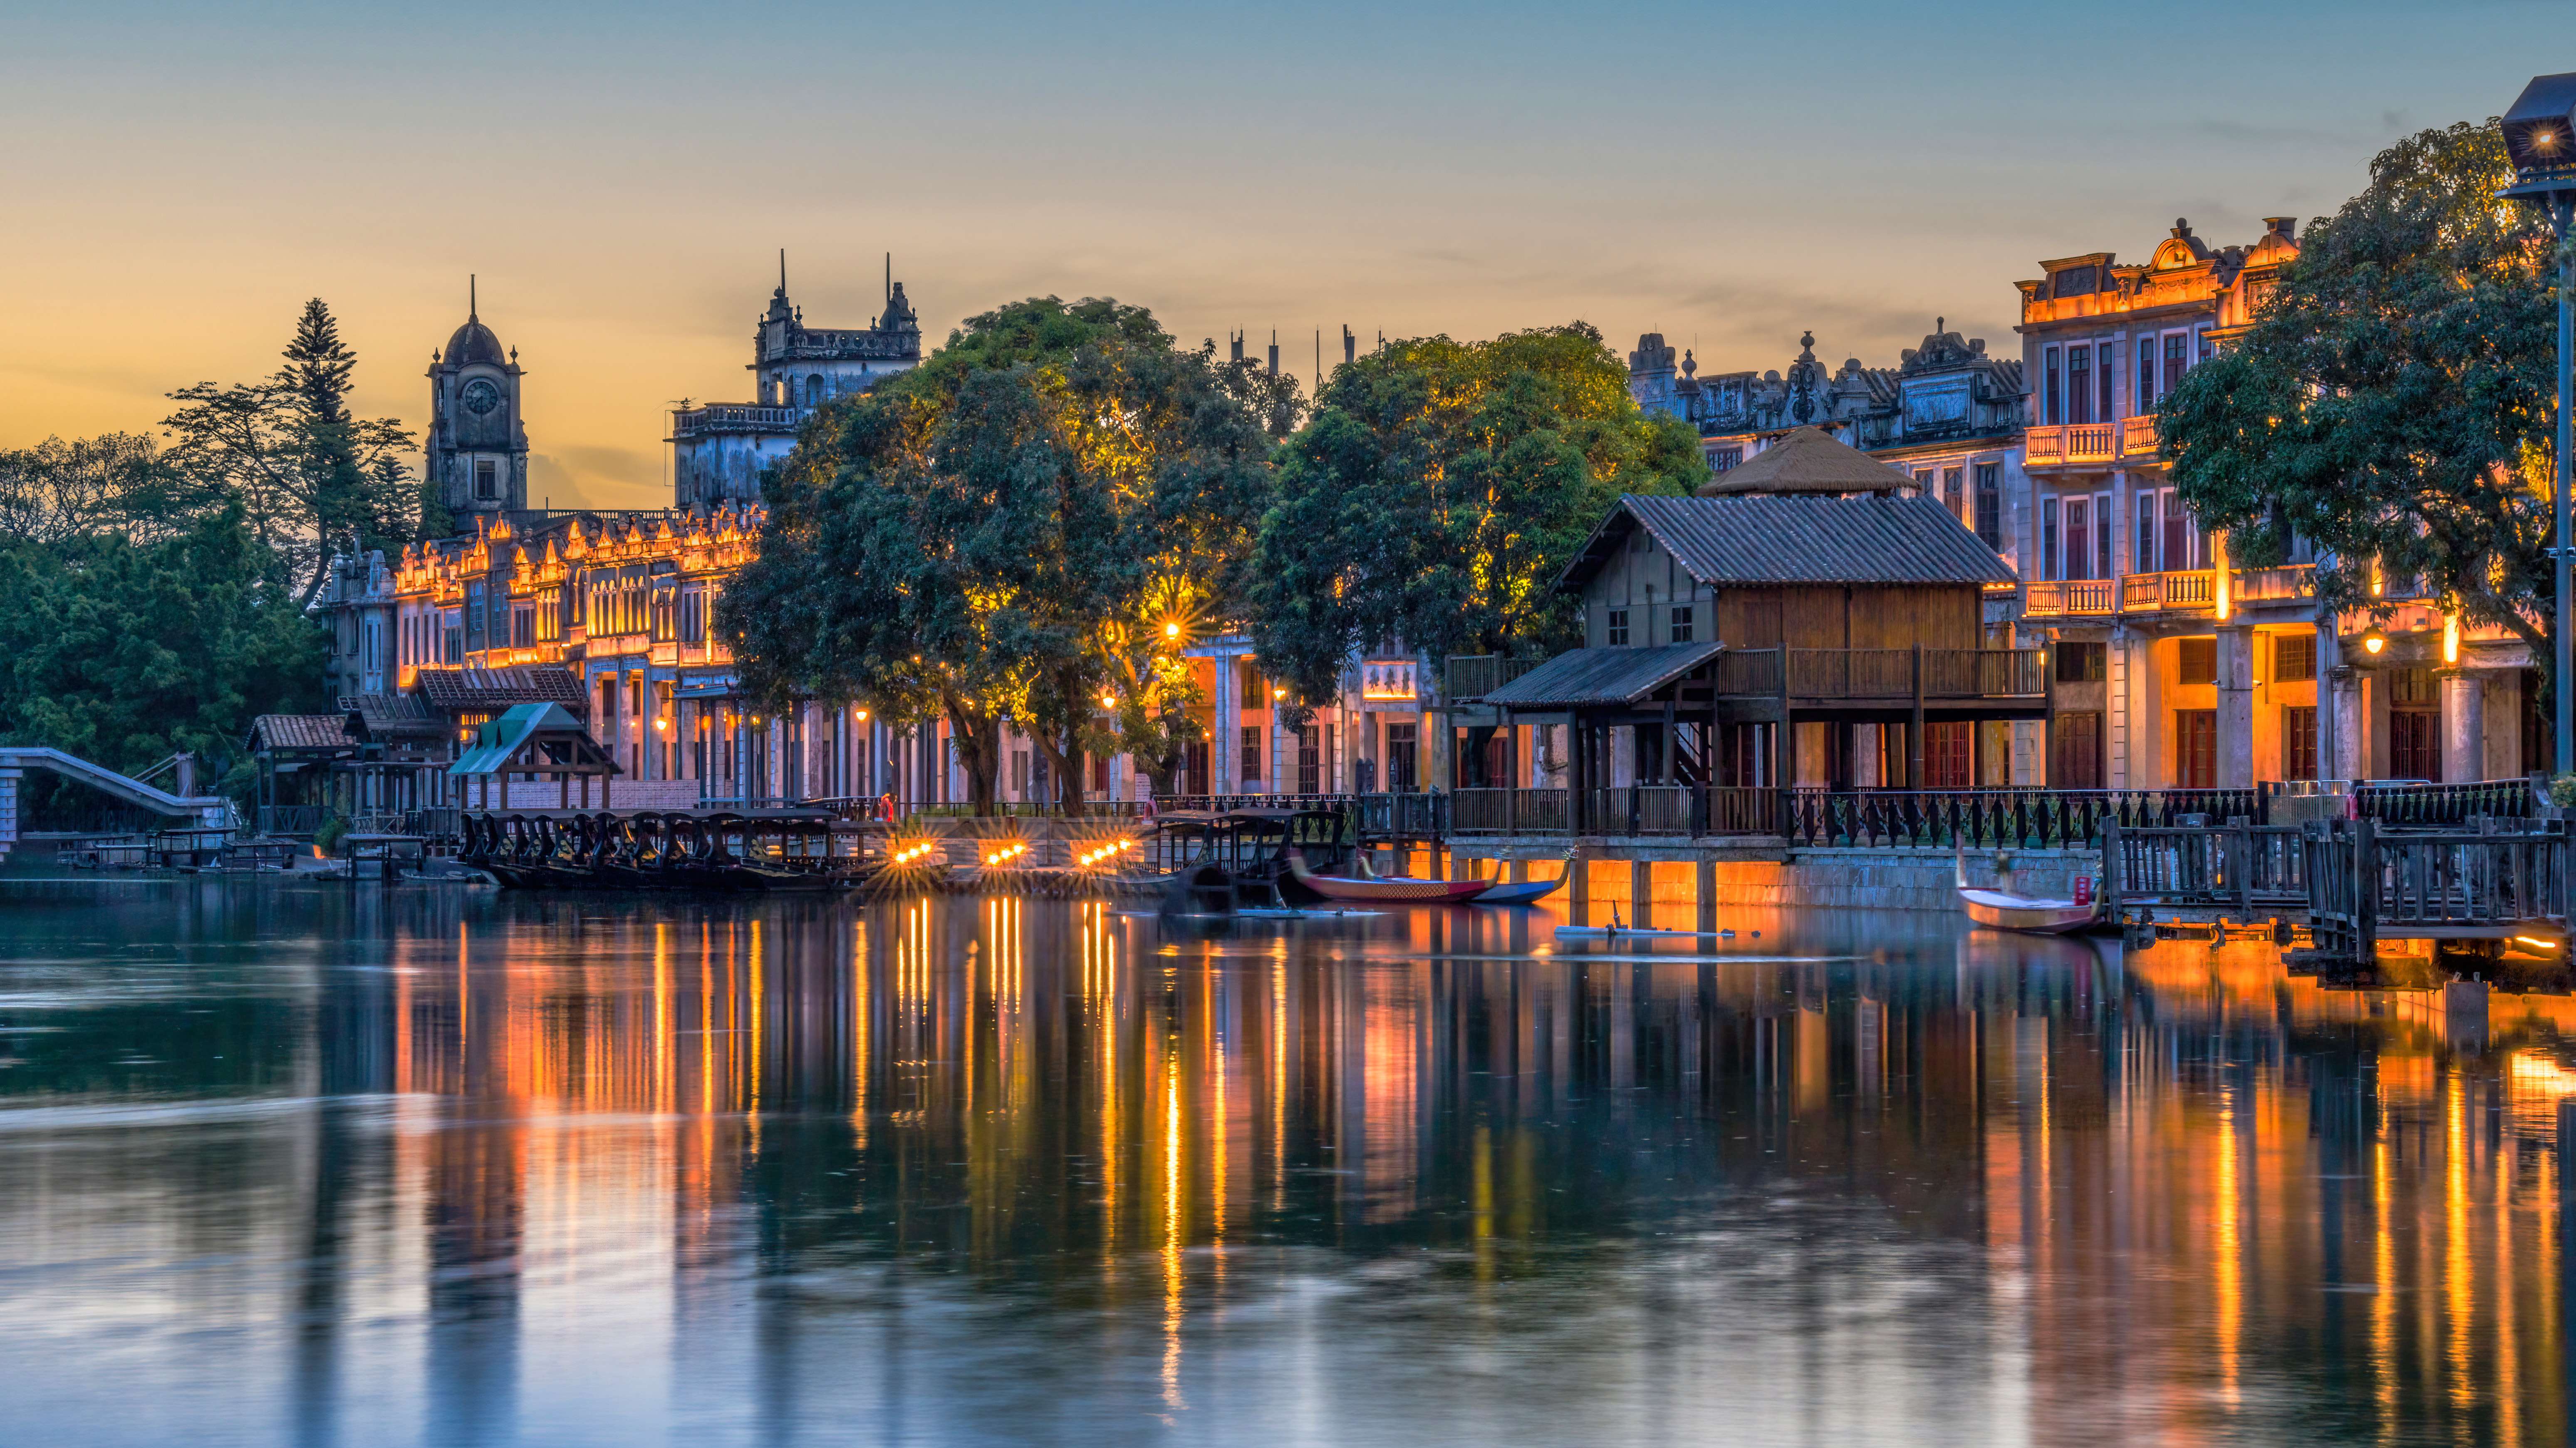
column 478, row 440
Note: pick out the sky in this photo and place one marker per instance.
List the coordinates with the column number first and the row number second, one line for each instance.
column 621, row 176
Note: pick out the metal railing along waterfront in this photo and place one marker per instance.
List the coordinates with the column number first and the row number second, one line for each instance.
column 2243, row 866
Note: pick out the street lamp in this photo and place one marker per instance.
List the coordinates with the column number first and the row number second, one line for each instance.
column 2540, row 140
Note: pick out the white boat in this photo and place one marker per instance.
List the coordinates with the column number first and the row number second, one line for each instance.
column 2003, row 910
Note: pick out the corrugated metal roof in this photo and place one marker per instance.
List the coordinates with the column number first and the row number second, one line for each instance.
column 496, row 740
column 1602, row 676
column 457, row 689
column 1759, row 539
column 300, row 731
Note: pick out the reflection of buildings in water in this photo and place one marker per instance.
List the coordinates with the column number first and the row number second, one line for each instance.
column 2196, row 1184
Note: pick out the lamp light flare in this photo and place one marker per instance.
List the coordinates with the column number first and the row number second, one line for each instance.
column 1171, row 630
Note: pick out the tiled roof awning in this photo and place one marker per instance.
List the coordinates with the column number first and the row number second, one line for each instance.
column 1601, row 676
column 458, row 690
column 301, row 733
column 1808, row 460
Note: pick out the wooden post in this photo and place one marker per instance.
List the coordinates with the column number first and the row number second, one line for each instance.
column 2365, row 905
column 1914, row 732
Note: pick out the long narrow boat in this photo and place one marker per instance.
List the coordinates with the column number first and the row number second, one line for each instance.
column 1396, row 890
column 2003, row 910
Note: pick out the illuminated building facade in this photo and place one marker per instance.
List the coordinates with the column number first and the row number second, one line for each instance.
column 2170, row 667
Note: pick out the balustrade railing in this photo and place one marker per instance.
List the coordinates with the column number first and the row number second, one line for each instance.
column 2138, row 436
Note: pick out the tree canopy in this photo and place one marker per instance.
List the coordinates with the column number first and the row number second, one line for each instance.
column 1437, row 492
column 1015, row 529
column 2394, row 399
column 310, row 477
column 123, row 649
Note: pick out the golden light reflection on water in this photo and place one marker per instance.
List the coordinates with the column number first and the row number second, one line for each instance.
column 2179, row 1195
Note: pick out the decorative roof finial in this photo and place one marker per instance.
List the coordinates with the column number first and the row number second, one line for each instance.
column 1940, row 325
column 782, row 271
column 470, row 312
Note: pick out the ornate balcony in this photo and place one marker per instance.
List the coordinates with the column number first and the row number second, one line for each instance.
column 2139, row 437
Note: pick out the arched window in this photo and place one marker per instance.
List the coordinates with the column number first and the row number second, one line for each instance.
column 814, row 390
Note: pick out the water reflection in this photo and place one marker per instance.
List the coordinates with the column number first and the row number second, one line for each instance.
column 457, row 1167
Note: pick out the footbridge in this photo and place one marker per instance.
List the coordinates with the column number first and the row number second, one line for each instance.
column 186, row 809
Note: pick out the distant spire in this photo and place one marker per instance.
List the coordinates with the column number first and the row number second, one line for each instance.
column 889, row 279
column 470, row 313
column 782, row 271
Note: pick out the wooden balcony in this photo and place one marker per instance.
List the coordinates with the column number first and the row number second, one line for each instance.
column 2139, row 437
column 2072, row 598
column 1826, row 675
column 1473, row 676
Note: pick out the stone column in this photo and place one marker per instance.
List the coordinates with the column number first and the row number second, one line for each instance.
column 1224, row 775
column 2350, row 761
column 2235, row 706
column 2464, row 727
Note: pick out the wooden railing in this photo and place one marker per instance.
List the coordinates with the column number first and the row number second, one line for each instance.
column 1749, row 672
column 2366, row 884
column 1473, row 676
column 2138, row 436
column 1883, row 673
column 2221, row 866
column 1688, row 811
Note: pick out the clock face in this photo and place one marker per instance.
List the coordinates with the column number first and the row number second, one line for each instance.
column 481, row 396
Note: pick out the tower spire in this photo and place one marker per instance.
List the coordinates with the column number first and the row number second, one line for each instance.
column 782, row 271
column 470, row 313
column 889, row 279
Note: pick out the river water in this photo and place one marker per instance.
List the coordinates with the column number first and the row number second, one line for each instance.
column 321, row 1164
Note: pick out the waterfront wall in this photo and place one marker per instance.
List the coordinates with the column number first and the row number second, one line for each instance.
column 1852, row 879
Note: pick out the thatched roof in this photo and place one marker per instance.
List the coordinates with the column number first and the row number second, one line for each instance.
column 1807, row 460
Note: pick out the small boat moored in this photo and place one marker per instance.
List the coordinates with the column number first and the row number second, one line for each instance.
column 1376, row 890
column 2003, row 910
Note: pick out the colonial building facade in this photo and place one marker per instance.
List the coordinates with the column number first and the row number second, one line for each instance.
column 610, row 614
column 1947, row 415
column 720, row 450
column 2172, row 665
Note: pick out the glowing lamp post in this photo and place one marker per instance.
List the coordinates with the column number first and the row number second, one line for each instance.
column 2540, row 140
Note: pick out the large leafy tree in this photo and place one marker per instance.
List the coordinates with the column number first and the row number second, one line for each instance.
column 310, row 477
column 122, row 649
column 1016, row 529
column 1437, row 492
column 2393, row 401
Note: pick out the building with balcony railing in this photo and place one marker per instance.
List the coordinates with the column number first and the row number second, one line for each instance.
column 2171, row 666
